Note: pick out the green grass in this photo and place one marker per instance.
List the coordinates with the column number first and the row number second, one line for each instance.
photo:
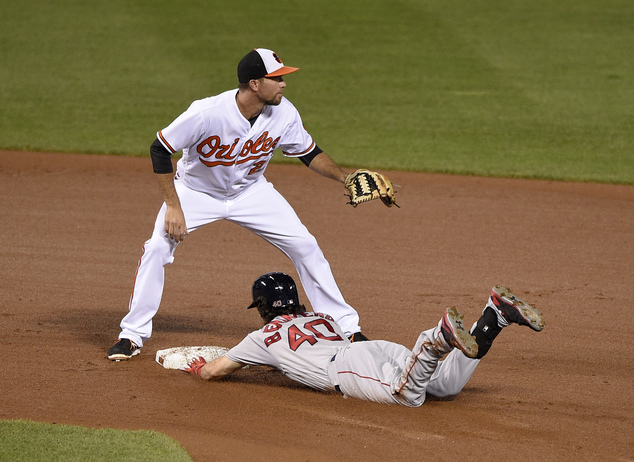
column 33, row 442
column 539, row 89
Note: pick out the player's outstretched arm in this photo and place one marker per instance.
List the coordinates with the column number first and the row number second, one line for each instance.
column 213, row 370
column 325, row 166
column 220, row 368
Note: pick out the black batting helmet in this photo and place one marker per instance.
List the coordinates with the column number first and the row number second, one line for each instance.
column 278, row 289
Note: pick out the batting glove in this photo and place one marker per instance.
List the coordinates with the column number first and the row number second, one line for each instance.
column 195, row 366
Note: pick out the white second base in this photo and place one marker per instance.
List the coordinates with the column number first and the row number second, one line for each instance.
column 178, row 357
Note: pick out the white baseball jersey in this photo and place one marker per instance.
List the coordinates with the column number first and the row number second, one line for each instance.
column 222, row 153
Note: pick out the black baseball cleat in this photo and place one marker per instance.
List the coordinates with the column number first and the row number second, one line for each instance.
column 454, row 333
column 358, row 337
column 123, row 350
column 514, row 310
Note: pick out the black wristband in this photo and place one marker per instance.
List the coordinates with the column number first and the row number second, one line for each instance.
column 308, row 158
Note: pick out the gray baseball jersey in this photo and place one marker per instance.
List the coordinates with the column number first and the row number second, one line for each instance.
column 301, row 346
column 312, row 349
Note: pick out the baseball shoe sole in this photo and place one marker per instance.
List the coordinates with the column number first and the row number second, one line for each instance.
column 123, row 350
column 452, row 328
column 515, row 310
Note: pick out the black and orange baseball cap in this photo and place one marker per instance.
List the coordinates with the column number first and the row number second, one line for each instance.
column 261, row 62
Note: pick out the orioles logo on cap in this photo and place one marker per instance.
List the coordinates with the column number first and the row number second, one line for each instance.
column 277, row 58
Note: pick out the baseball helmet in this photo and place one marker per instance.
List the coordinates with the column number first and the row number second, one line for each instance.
column 278, row 289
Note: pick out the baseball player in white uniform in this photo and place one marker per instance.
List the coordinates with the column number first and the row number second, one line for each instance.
column 227, row 142
column 312, row 349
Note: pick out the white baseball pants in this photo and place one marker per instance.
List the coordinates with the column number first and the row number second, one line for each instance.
column 262, row 210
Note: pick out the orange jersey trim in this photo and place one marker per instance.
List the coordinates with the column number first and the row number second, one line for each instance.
column 166, row 143
column 300, row 154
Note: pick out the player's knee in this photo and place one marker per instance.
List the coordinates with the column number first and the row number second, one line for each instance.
column 303, row 248
column 410, row 401
column 160, row 249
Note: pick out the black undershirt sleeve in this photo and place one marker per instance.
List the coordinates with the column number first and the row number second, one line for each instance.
column 161, row 158
column 308, row 158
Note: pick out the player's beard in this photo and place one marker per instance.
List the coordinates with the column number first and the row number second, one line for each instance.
column 275, row 101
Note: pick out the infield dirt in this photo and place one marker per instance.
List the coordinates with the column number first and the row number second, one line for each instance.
column 72, row 232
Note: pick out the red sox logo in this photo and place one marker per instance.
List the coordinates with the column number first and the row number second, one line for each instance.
column 214, row 152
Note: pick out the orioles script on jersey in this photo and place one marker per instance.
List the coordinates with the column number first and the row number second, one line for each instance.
column 214, row 148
